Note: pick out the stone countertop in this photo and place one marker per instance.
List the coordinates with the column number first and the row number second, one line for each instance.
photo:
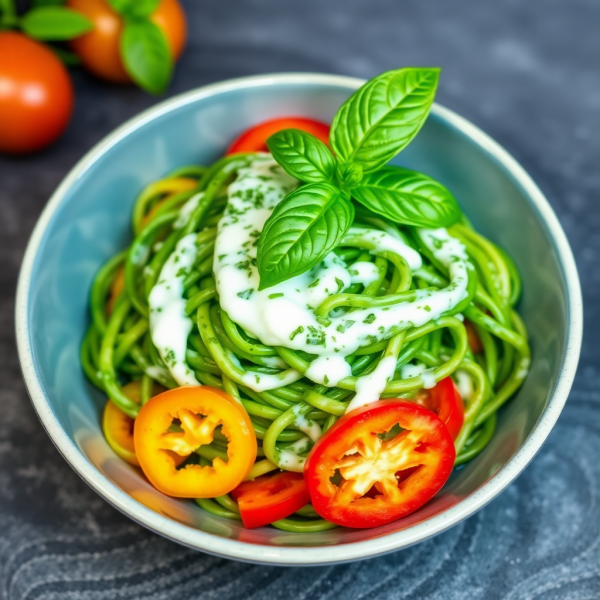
column 527, row 73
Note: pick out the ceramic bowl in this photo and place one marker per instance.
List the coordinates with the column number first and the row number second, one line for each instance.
column 87, row 220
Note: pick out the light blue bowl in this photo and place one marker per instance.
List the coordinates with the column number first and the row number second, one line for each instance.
column 87, row 221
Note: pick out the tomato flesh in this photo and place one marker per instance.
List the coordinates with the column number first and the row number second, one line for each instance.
column 255, row 138
column 379, row 463
column 270, row 498
column 445, row 401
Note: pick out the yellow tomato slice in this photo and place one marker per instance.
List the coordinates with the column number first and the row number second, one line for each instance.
column 198, row 412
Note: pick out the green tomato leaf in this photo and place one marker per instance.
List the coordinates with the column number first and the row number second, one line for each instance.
column 304, row 227
column 54, row 23
column 302, row 155
column 134, row 8
column 146, row 56
column 407, row 197
column 383, row 116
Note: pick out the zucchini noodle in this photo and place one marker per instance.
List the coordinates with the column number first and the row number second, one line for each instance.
column 171, row 263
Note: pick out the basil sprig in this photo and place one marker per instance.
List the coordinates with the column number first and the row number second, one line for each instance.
column 369, row 129
column 46, row 21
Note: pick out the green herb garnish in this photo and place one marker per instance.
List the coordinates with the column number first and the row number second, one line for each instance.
column 369, row 129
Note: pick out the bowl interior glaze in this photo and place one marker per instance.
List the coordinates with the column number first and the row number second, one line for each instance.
column 87, row 221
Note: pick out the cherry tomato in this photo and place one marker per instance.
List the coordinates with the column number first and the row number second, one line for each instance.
column 270, row 498
column 118, row 427
column 445, row 401
column 197, row 411
column 255, row 138
column 399, row 448
column 99, row 49
column 473, row 337
column 36, row 94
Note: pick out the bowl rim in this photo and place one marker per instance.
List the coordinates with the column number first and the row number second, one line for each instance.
column 304, row 555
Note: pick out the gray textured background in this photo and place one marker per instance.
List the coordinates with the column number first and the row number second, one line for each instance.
column 527, row 72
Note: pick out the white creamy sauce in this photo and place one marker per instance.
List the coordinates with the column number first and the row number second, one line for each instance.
column 262, row 382
column 429, row 380
column 169, row 325
column 464, row 384
column 415, row 370
column 284, row 314
column 363, row 272
column 185, row 212
column 385, row 242
column 289, row 458
column 370, row 387
column 305, row 425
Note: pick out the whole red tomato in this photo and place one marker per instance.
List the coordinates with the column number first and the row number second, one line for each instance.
column 36, row 94
column 99, row 49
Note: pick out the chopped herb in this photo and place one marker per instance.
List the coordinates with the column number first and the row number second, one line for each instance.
column 245, row 295
column 278, row 295
column 340, row 284
column 315, row 283
column 315, row 337
column 346, row 325
column 325, row 379
column 222, row 256
column 296, row 332
column 370, row 318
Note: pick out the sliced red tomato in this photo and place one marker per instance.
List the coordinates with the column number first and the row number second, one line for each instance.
column 445, row 401
column 270, row 498
column 255, row 138
column 399, row 448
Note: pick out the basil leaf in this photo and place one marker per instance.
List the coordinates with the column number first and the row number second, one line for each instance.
column 135, row 8
column 146, row 56
column 54, row 23
column 407, row 197
column 302, row 155
column 304, row 227
column 383, row 116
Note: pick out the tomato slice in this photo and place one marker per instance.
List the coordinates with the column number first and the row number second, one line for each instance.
column 445, row 401
column 399, row 448
column 255, row 138
column 197, row 412
column 270, row 498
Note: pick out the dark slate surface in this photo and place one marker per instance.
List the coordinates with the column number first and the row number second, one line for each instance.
column 528, row 73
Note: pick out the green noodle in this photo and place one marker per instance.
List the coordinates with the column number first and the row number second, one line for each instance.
column 118, row 348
